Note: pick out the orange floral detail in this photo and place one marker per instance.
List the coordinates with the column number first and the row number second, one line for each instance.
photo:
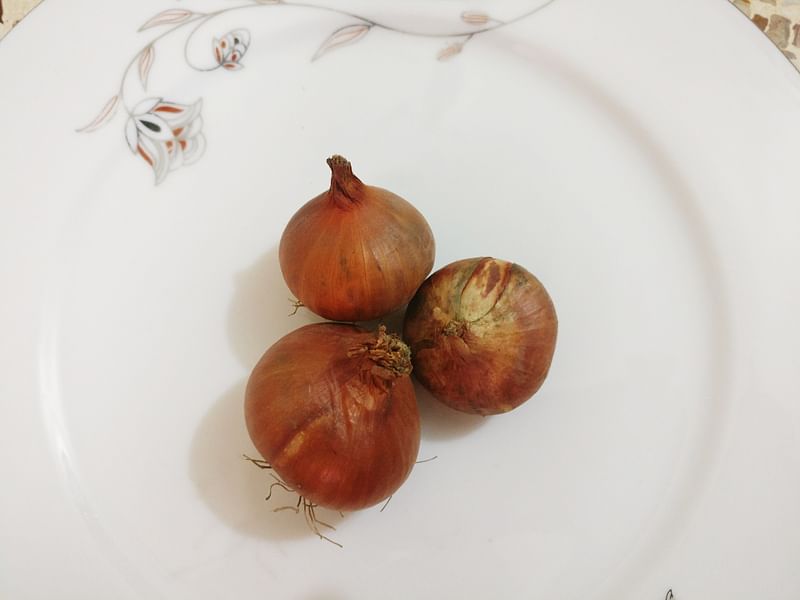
column 144, row 155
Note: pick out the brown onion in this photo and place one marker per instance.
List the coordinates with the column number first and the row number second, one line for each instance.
column 332, row 408
column 482, row 333
column 355, row 252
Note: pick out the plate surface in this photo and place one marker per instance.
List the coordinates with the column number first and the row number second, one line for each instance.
column 654, row 200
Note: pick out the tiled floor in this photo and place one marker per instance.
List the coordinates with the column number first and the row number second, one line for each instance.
column 780, row 20
column 12, row 11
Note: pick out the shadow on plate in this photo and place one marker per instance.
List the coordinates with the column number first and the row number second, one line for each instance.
column 393, row 322
column 440, row 422
column 259, row 312
column 234, row 488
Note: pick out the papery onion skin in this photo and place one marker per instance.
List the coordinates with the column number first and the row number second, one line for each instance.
column 482, row 333
column 355, row 252
column 335, row 414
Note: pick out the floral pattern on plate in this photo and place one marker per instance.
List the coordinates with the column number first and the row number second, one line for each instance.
column 167, row 134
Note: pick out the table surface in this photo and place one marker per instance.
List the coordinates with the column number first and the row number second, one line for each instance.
column 778, row 19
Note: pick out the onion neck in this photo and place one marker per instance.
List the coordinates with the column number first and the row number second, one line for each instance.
column 346, row 189
column 454, row 328
column 389, row 355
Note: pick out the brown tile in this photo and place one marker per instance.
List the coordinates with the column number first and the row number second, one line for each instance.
column 778, row 30
column 743, row 5
column 760, row 21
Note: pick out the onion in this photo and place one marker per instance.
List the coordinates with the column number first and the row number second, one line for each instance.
column 332, row 409
column 355, row 252
column 482, row 333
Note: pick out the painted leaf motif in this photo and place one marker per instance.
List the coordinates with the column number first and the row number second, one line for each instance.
column 168, row 17
column 146, row 105
column 146, row 59
column 230, row 48
column 474, row 17
column 131, row 135
column 450, row 51
column 105, row 114
column 154, row 127
column 194, row 149
column 219, row 54
column 174, row 155
column 349, row 34
column 240, row 37
column 156, row 156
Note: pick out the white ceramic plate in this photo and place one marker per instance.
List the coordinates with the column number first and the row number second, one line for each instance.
column 638, row 156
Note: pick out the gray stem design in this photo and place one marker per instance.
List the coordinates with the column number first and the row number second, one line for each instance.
column 200, row 19
column 163, row 34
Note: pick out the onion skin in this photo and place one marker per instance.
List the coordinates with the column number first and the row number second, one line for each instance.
column 482, row 333
column 355, row 252
column 332, row 408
